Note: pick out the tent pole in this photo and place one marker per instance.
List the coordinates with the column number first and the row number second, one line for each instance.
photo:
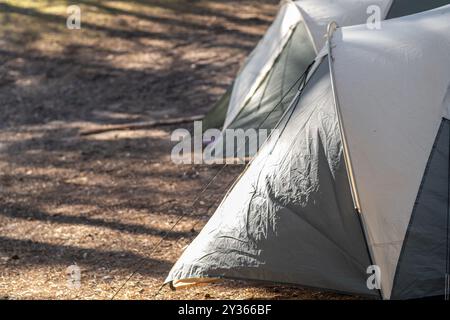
column 332, row 26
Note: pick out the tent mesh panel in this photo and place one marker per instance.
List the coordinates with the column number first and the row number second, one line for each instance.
column 291, row 64
column 402, row 8
column 423, row 261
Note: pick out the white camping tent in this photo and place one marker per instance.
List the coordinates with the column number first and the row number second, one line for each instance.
column 264, row 86
column 370, row 131
column 294, row 39
column 311, row 18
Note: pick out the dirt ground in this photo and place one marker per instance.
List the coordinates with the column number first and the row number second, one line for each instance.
column 104, row 201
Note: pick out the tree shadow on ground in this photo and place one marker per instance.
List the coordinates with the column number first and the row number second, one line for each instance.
column 132, row 61
column 26, row 253
column 85, row 78
column 31, row 214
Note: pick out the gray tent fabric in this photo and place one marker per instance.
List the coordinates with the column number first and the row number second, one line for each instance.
column 285, row 233
column 400, row 8
column 264, row 108
column 278, row 89
column 215, row 117
column 290, row 218
column 275, row 94
column 423, row 261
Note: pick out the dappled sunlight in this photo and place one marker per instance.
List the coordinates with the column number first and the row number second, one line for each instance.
column 146, row 48
column 104, row 200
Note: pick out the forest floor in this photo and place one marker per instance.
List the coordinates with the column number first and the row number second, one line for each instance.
column 104, row 201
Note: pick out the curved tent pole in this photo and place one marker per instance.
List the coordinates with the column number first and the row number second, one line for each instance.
column 331, row 28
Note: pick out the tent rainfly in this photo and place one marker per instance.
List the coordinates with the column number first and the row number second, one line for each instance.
column 263, row 89
column 359, row 176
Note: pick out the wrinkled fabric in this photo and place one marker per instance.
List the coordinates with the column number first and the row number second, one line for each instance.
column 289, row 218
